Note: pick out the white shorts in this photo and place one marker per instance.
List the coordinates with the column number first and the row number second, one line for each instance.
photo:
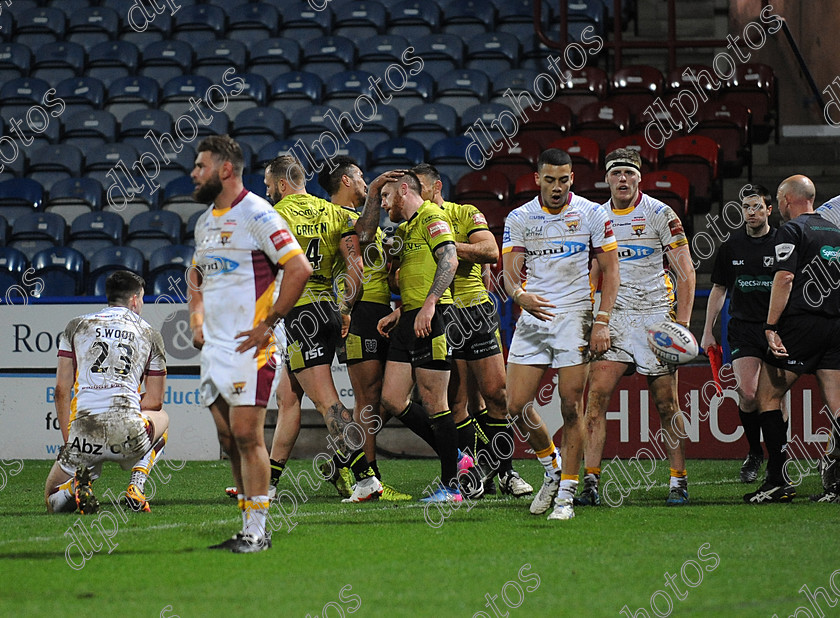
column 628, row 342
column 563, row 342
column 239, row 379
column 120, row 436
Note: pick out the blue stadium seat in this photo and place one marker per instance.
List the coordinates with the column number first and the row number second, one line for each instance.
column 259, row 126
column 111, row 60
column 61, row 270
column 57, row 61
column 149, row 231
column 13, row 264
column 274, row 149
column 199, row 23
column 97, row 225
column 177, row 92
column 517, row 80
column 449, row 156
column 353, row 148
column 80, row 94
column 251, row 92
column 189, row 230
column 100, row 160
column 296, row 90
column 399, row 152
column 213, row 58
column 359, row 21
column 179, row 190
column 43, row 130
column 441, row 53
column 251, row 21
column 7, row 27
column 418, row 89
column 272, row 58
column 173, row 256
column 493, row 52
column 303, row 23
column 136, row 124
column 128, row 94
column 92, row 25
column 38, row 26
column 139, row 30
column 163, row 60
column 107, row 260
column 15, row 61
column 462, row 88
column 328, row 55
column 380, row 52
column 342, row 89
column 309, row 123
column 34, row 232
column 430, row 122
column 467, row 18
column 255, row 183
column 52, row 163
column 585, row 13
column 413, row 18
column 18, row 95
column 487, row 113
column 4, row 231
column 90, row 129
column 73, row 197
column 516, row 17
column 383, row 125
column 19, row 196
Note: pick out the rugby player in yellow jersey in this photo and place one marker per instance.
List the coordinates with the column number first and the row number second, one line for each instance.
column 424, row 252
column 365, row 350
column 549, row 239
column 315, row 326
column 472, row 330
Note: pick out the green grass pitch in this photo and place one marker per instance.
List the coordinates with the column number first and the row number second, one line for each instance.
column 384, row 559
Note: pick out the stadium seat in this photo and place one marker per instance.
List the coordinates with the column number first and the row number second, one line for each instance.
column 103, row 225
column 517, row 81
column 271, row 58
column 637, row 142
column 525, row 188
column 467, row 18
column 7, row 26
column 111, row 60
column 18, row 95
column 379, row 52
column 430, row 122
column 343, row 89
column 328, row 55
column 603, row 122
column 172, row 256
column 590, row 183
column 91, row 25
column 171, row 282
column 584, row 151
column 303, row 23
column 672, row 188
column 15, row 61
column 19, row 196
column 441, row 53
column 57, row 61
column 383, row 125
column 462, row 88
column 176, row 94
column 359, row 21
column 61, row 271
column 213, row 58
column 199, row 23
column 686, row 76
column 4, row 231
column 582, row 14
column 39, row 130
column 35, row 27
column 136, row 124
column 72, row 197
column 584, row 86
column 754, row 86
column 259, row 126
column 274, row 149
column 637, row 86
column 353, row 148
column 413, row 18
column 52, row 163
column 189, row 230
column 164, row 60
column 481, row 118
column 143, row 32
column 514, row 161
column 398, row 152
column 107, row 260
column 80, row 94
column 179, row 190
column 297, row 90
column 483, row 186
column 101, row 159
column 552, row 121
column 45, row 226
column 416, row 90
column 13, row 264
column 129, row 94
column 696, row 157
column 493, row 52
column 149, row 231
column 309, row 123
column 251, row 21
column 451, row 155
column 250, row 92
column 729, row 124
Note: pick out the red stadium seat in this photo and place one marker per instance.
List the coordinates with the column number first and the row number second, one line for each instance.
column 584, row 86
column 754, row 86
column 518, row 160
column 525, row 189
column 729, row 124
column 603, row 122
column 672, row 188
column 584, row 151
column 483, row 185
column 636, row 87
column 696, row 157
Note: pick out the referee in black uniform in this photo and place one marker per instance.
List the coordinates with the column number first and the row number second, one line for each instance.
column 802, row 329
column 744, row 268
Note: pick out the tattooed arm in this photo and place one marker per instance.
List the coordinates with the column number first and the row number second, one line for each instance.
column 447, row 264
column 368, row 221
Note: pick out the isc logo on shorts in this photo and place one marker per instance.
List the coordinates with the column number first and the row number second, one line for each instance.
column 314, row 353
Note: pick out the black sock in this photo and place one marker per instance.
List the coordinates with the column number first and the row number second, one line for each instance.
column 446, row 437
column 277, row 469
column 416, row 419
column 467, row 436
column 498, row 447
column 752, row 431
column 360, row 466
column 375, row 469
column 773, row 426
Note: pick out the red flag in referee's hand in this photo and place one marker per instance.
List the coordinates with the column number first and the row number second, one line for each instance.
column 715, row 355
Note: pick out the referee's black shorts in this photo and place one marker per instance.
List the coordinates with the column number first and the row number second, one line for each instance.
column 812, row 343
column 746, row 339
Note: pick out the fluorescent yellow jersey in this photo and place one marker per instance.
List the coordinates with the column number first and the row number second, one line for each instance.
column 318, row 226
column 375, row 276
column 416, row 241
column 469, row 284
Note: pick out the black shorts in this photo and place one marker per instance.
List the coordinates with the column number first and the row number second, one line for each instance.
column 812, row 342
column 746, row 339
column 430, row 352
column 473, row 332
column 313, row 331
column 364, row 342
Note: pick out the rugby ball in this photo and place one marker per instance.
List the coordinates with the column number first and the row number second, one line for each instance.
column 672, row 343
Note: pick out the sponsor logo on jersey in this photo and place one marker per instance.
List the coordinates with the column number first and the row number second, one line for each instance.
column 218, row 265
column 437, row 228
column 783, row 251
column 768, row 260
column 830, row 253
column 478, row 219
column 562, row 249
column 238, row 387
column 608, row 231
column 675, row 225
column 506, row 235
column 535, row 231
column 747, row 283
column 628, row 253
column 281, row 238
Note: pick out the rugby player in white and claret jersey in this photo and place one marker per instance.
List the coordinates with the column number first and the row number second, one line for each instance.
column 646, row 230
column 248, row 273
column 546, row 250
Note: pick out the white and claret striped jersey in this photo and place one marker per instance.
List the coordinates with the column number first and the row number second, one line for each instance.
column 557, row 248
column 830, row 211
column 644, row 231
column 112, row 350
column 318, row 226
column 240, row 251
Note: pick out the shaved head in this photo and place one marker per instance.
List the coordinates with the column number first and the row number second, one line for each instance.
column 795, row 196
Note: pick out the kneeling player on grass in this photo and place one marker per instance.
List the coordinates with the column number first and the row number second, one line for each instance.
column 108, row 355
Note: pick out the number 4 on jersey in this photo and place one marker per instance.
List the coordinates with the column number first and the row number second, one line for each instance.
column 313, row 253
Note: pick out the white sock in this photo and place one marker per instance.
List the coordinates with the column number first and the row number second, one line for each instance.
column 552, row 464
column 567, row 490
column 256, row 509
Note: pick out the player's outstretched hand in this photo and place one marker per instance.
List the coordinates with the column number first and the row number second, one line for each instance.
column 387, row 324
column 345, row 325
column 536, row 305
column 258, row 337
column 383, row 179
column 599, row 340
column 775, row 343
